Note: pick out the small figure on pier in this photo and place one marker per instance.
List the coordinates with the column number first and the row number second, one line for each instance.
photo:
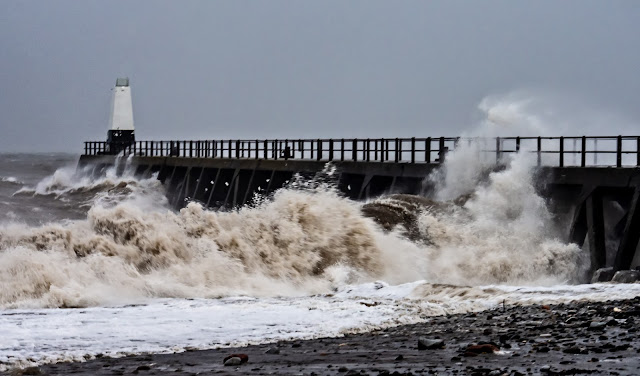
column 442, row 154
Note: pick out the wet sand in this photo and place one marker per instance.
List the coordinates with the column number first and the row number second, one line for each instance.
column 566, row 339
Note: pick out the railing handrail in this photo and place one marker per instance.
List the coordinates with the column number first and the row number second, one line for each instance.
column 396, row 150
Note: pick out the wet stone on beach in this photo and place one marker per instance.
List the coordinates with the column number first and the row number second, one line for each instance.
column 430, row 344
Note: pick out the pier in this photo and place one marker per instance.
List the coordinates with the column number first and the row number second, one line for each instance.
column 593, row 180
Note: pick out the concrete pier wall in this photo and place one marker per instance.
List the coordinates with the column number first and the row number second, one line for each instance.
column 225, row 183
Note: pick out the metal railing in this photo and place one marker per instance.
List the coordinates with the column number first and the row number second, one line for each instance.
column 581, row 151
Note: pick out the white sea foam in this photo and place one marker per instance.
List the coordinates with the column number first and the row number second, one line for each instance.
column 10, row 179
column 172, row 325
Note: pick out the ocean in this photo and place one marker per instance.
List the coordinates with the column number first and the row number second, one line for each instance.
column 94, row 266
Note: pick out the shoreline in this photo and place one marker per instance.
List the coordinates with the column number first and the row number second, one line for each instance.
column 570, row 338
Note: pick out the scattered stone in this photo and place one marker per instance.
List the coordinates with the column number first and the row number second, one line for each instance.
column 272, row 351
column 626, row 276
column 485, row 348
column 430, row 344
column 235, row 359
column 597, row 325
column 602, row 275
column 143, row 368
column 400, row 357
column 343, row 369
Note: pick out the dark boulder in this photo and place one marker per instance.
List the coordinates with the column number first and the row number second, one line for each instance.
column 626, row 276
column 602, row 275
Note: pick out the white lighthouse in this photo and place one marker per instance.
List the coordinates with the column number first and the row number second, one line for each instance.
column 121, row 131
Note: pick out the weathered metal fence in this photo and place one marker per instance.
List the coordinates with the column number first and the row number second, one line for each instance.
column 581, row 151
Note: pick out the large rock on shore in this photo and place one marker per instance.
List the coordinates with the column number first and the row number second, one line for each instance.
column 626, row 276
column 402, row 210
column 602, row 275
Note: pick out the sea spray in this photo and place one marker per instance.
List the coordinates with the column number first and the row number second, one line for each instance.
column 298, row 242
column 290, row 245
column 504, row 233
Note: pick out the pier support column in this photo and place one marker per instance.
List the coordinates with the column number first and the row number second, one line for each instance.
column 595, row 222
column 364, row 189
column 578, row 231
column 579, row 225
column 233, row 189
column 629, row 241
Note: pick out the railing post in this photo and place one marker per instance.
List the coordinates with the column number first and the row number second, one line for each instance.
column 86, row 148
column 638, row 152
column 397, row 154
column 386, row 149
column 413, row 150
column 427, row 150
column 342, row 149
column 354, row 149
column 375, row 148
column 319, row 156
column 330, row 149
column 368, row 150
column 497, row 149
column 539, row 151
column 561, row 151
column 619, row 152
column 583, row 155
column 441, row 155
column 517, row 144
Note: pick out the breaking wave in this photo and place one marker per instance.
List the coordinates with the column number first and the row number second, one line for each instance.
column 132, row 247
column 10, row 180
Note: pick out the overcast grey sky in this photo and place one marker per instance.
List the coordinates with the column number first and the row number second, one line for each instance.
column 256, row 69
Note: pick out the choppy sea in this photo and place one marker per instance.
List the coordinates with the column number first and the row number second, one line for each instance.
column 103, row 265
